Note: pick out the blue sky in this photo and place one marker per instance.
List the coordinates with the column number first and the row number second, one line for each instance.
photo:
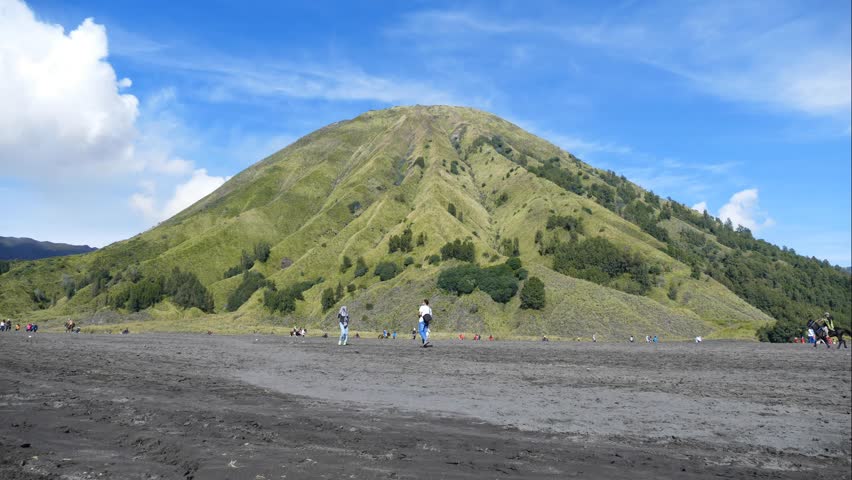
column 120, row 121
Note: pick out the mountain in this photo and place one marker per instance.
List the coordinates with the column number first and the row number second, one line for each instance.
column 13, row 248
column 449, row 203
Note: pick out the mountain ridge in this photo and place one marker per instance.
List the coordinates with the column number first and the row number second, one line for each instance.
column 25, row 248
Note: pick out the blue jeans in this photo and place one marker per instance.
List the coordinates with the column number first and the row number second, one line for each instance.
column 344, row 333
column 424, row 334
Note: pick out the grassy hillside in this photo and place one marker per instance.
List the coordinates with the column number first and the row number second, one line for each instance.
column 615, row 260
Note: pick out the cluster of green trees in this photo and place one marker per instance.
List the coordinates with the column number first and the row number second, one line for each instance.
column 284, row 301
column 251, row 282
column 460, row 250
column 598, row 260
column 510, row 247
column 552, row 171
column 402, row 242
column 184, row 289
column 260, row 253
column 5, row 265
column 566, row 222
column 500, row 282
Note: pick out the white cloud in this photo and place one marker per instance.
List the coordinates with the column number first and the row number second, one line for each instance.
column 580, row 146
column 743, row 209
column 199, row 185
column 61, row 107
column 786, row 57
column 700, row 207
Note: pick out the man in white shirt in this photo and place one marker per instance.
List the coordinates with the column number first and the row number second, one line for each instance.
column 425, row 314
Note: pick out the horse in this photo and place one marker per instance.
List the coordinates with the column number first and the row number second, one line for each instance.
column 838, row 333
column 69, row 326
column 820, row 333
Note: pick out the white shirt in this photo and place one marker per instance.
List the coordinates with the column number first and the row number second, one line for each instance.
column 811, row 332
column 424, row 309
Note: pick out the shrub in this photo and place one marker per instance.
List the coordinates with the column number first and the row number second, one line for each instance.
column 672, row 293
column 68, row 286
column 327, row 299
column 457, row 249
column 420, row 162
column 503, row 198
column 354, row 207
column 421, row 239
column 510, row 247
column 532, row 295
column 261, row 252
column 408, row 261
column 454, row 167
column 368, row 306
column 350, row 288
column 434, row 259
column 346, row 264
column 252, row 281
column 386, row 270
column 567, row 222
column 452, row 209
column 5, row 265
column 360, row 267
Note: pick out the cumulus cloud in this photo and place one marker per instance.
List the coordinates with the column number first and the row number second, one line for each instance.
column 700, row 207
column 743, row 209
column 199, row 185
column 62, row 111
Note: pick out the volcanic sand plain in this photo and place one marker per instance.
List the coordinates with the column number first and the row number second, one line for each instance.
column 146, row 406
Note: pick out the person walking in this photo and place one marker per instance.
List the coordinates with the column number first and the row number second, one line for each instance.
column 343, row 321
column 425, row 314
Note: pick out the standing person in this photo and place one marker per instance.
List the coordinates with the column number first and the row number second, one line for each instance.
column 655, row 339
column 343, row 321
column 594, row 338
column 425, row 314
column 811, row 335
column 631, row 339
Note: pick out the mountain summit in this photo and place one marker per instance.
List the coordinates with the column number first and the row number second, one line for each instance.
column 449, row 203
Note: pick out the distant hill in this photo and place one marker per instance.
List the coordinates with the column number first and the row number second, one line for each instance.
column 505, row 232
column 13, row 248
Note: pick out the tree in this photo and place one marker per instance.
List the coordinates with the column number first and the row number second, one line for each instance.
column 346, row 264
column 401, row 242
column 252, row 281
column 386, row 270
column 532, row 295
column 457, row 249
column 327, row 299
column 261, row 251
column 5, row 265
column 360, row 267
column 68, row 286
column 338, row 293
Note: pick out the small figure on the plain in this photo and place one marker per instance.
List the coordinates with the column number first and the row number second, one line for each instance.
column 632, row 339
column 698, row 339
column 544, row 338
column 594, row 338
column 425, row 315
column 654, row 339
column 343, row 322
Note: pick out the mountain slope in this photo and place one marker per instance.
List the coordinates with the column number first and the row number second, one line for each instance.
column 346, row 190
column 14, row 248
